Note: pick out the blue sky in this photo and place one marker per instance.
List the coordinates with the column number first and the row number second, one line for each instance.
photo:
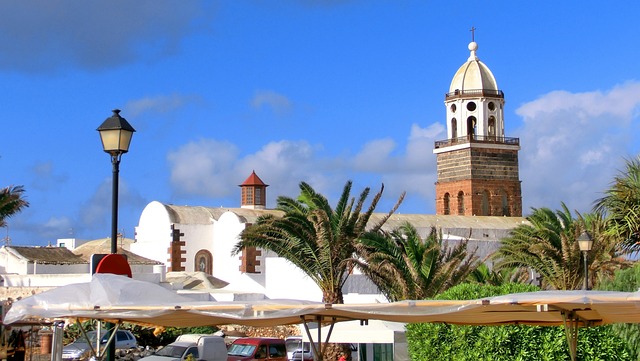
column 299, row 90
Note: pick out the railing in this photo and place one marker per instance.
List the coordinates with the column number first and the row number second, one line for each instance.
column 477, row 139
column 474, row 93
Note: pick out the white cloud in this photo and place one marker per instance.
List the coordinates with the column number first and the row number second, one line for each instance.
column 279, row 104
column 159, row 104
column 203, row 168
column 573, row 144
column 214, row 169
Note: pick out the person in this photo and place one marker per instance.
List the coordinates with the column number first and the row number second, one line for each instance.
column 342, row 357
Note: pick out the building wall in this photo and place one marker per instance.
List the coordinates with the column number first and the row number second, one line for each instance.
column 487, row 177
column 153, row 233
column 225, row 235
column 477, row 163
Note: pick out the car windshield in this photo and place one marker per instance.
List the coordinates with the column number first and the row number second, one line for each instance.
column 293, row 344
column 238, row 349
column 92, row 338
column 171, row 351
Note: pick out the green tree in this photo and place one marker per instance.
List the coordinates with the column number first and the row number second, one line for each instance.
column 11, row 202
column 549, row 246
column 627, row 280
column 444, row 342
column 316, row 238
column 404, row 266
column 621, row 206
column 484, row 274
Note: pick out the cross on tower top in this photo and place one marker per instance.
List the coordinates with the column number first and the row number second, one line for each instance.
column 473, row 33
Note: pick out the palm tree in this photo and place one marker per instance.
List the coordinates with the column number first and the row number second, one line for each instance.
column 314, row 237
column 621, row 206
column 404, row 266
column 484, row 274
column 549, row 246
column 11, row 202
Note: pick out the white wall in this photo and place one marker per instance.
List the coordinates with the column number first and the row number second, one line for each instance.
column 286, row 281
column 153, row 233
column 225, row 236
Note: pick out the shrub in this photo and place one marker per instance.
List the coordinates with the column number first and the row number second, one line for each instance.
column 428, row 341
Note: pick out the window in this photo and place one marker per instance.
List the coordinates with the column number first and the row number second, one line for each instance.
column 471, row 127
column 191, row 351
column 492, row 127
column 491, row 106
column 505, row 204
column 248, row 195
column 461, row 203
column 454, row 128
column 446, row 203
column 486, row 209
column 261, row 352
column 453, row 108
column 471, row 106
column 258, row 195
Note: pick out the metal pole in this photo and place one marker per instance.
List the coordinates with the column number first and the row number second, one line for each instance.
column 586, row 271
column 115, row 160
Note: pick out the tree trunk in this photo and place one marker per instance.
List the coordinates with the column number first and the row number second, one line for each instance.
column 334, row 350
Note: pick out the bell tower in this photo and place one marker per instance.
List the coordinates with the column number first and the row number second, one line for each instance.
column 477, row 165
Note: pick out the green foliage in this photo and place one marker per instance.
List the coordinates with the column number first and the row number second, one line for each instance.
column 314, row 237
column 621, row 206
column 627, row 280
column 428, row 341
column 144, row 334
column 406, row 267
column 11, row 202
column 549, row 246
column 483, row 274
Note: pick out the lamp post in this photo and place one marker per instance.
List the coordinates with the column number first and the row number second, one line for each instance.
column 115, row 133
column 585, row 242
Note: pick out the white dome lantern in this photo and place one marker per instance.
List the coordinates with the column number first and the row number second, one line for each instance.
column 473, row 75
column 474, row 102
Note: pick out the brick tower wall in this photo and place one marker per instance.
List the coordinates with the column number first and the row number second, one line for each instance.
column 479, row 173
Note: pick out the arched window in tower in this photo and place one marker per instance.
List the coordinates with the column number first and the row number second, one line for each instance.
column 203, row 262
column 461, row 203
column 505, row 204
column 454, row 129
column 471, row 127
column 486, row 209
column 492, row 128
column 446, row 205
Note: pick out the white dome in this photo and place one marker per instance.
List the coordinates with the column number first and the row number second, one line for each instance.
column 473, row 75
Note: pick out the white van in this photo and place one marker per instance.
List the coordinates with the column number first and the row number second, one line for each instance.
column 201, row 347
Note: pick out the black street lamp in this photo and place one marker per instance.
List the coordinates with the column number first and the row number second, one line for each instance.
column 115, row 134
column 585, row 242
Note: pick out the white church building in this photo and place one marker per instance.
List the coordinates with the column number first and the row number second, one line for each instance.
column 477, row 197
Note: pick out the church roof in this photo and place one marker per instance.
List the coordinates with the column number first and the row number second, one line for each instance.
column 473, row 75
column 253, row 180
column 206, row 215
column 103, row 246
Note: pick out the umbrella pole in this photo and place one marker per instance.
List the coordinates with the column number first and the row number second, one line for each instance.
column 571, row 332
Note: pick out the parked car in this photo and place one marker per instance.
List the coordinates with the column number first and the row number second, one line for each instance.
column 257, row 348
column 201, row 347
column 81, row 350
column 295, row 348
